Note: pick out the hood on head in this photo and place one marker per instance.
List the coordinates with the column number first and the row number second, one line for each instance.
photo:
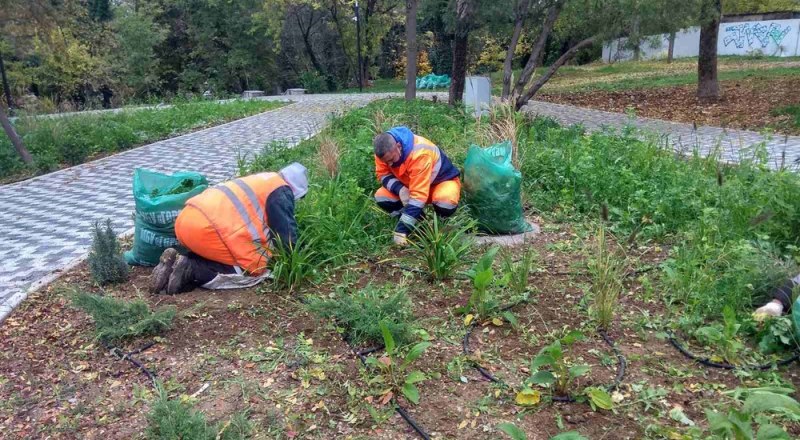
column 296, row 175
column 403, row 135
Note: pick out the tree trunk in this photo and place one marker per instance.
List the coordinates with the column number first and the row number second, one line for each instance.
column 707, row 81
column 568, row 55
column 671, row 47
column 411, row 50
column 519, row 20
column 637, row 41
column 15, row 139
column 460, row 46
column 538, row 49
column 6, row 87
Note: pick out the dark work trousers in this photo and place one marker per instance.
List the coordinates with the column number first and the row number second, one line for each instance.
column 784, row 293
column 204, row 270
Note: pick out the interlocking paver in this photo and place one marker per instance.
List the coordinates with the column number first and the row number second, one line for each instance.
column 46, row 221
column 732, row 145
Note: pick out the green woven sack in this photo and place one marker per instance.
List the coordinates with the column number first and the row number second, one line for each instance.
column 159, row 199
column 492, row 190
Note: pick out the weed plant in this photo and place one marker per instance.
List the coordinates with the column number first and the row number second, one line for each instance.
column 606, row 270
column 362, row 311
column 171, row 419
column 482, row 302
column 552, row 368
column 519, row 273
column 115, row 319
column 71, row 140
column 293, row 264
column 394, row 377
column 329, row 156
column 443, row 247
column 106, row 263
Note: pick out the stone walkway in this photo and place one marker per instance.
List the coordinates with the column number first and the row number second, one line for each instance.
column 733, row 146
column 46, row 221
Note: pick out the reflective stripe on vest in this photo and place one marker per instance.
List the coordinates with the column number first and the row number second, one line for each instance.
column 251, row 195
column 242, row 212
column 420, row 143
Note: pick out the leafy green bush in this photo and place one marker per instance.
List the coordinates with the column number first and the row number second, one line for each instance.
column 361, row 312
column 116, row 319
column 73, row 139
column 105, row 259
column 170, row 419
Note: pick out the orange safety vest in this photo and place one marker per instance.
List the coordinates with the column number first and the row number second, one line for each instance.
column 228, row 223
column 424, row 162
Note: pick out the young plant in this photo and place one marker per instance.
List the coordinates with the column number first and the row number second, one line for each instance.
column 294, row 264
column 443, row 248
column 175, row 419
column 482, row 302
column 518, row 273
column 105, row 259
column 723, row 338
column 560, row 373
column 607, row 271
column 115, row 319
column 362, row 313
column 738, row 423
column 393, row 367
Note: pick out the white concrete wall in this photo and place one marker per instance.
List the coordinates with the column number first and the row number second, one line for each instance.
column 775, row 38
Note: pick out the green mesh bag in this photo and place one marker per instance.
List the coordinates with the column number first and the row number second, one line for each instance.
column 159, row 199
column 492, row 190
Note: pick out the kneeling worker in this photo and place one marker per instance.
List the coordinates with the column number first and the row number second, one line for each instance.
column 413, row 172
column 229, row 230
column 781, row 300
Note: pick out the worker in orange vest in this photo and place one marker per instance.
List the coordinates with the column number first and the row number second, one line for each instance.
column 413, row 172
column 230, row 230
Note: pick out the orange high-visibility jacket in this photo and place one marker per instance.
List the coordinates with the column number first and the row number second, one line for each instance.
column 421, row 165
column 228, row 222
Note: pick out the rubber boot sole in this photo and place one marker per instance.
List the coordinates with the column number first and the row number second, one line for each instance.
column 161, row 273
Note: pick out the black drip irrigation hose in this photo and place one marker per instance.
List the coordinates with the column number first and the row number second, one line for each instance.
column 724, row 365
column 123, row 356
column 621, row 361
column 362, row 356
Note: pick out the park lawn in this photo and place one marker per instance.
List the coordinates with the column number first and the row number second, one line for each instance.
column 59, row 142
column 690, row 239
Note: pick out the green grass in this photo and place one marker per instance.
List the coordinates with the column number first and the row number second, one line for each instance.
column 64, row 141
column 381, row 85
column 793, row 111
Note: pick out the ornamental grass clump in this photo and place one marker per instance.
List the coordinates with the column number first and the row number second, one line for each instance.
column 443, row 248
column 606, row 270
column 105, row 259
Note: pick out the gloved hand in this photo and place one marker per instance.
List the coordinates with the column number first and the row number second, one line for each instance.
column 400, row 239
column 405, row 195
column 773, row 308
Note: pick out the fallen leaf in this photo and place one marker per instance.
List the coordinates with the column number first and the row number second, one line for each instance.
column 468, row 319
column 528, row 397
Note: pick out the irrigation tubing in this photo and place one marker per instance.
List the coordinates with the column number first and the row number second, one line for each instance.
column 121, row 355
column 362, row 356
column 621, row 361
column 724, row 365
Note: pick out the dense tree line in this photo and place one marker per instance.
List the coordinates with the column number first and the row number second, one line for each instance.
column 79, row 53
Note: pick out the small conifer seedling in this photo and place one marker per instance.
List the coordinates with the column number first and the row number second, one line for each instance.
column 105, row 259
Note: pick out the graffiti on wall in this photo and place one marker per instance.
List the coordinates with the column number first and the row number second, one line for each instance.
column 752, row 34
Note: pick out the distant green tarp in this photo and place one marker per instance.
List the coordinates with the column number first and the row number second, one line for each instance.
column 492, row 190
column 159, row 199
column 432, row 81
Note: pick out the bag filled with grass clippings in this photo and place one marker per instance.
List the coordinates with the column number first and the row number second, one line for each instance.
column 492, row 190
column 159, row 199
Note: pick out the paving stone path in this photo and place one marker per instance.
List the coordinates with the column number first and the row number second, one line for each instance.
column 732, row 145
column 46, row 221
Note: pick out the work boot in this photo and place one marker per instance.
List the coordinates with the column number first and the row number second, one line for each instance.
column 181, row 277
column 161, row 273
